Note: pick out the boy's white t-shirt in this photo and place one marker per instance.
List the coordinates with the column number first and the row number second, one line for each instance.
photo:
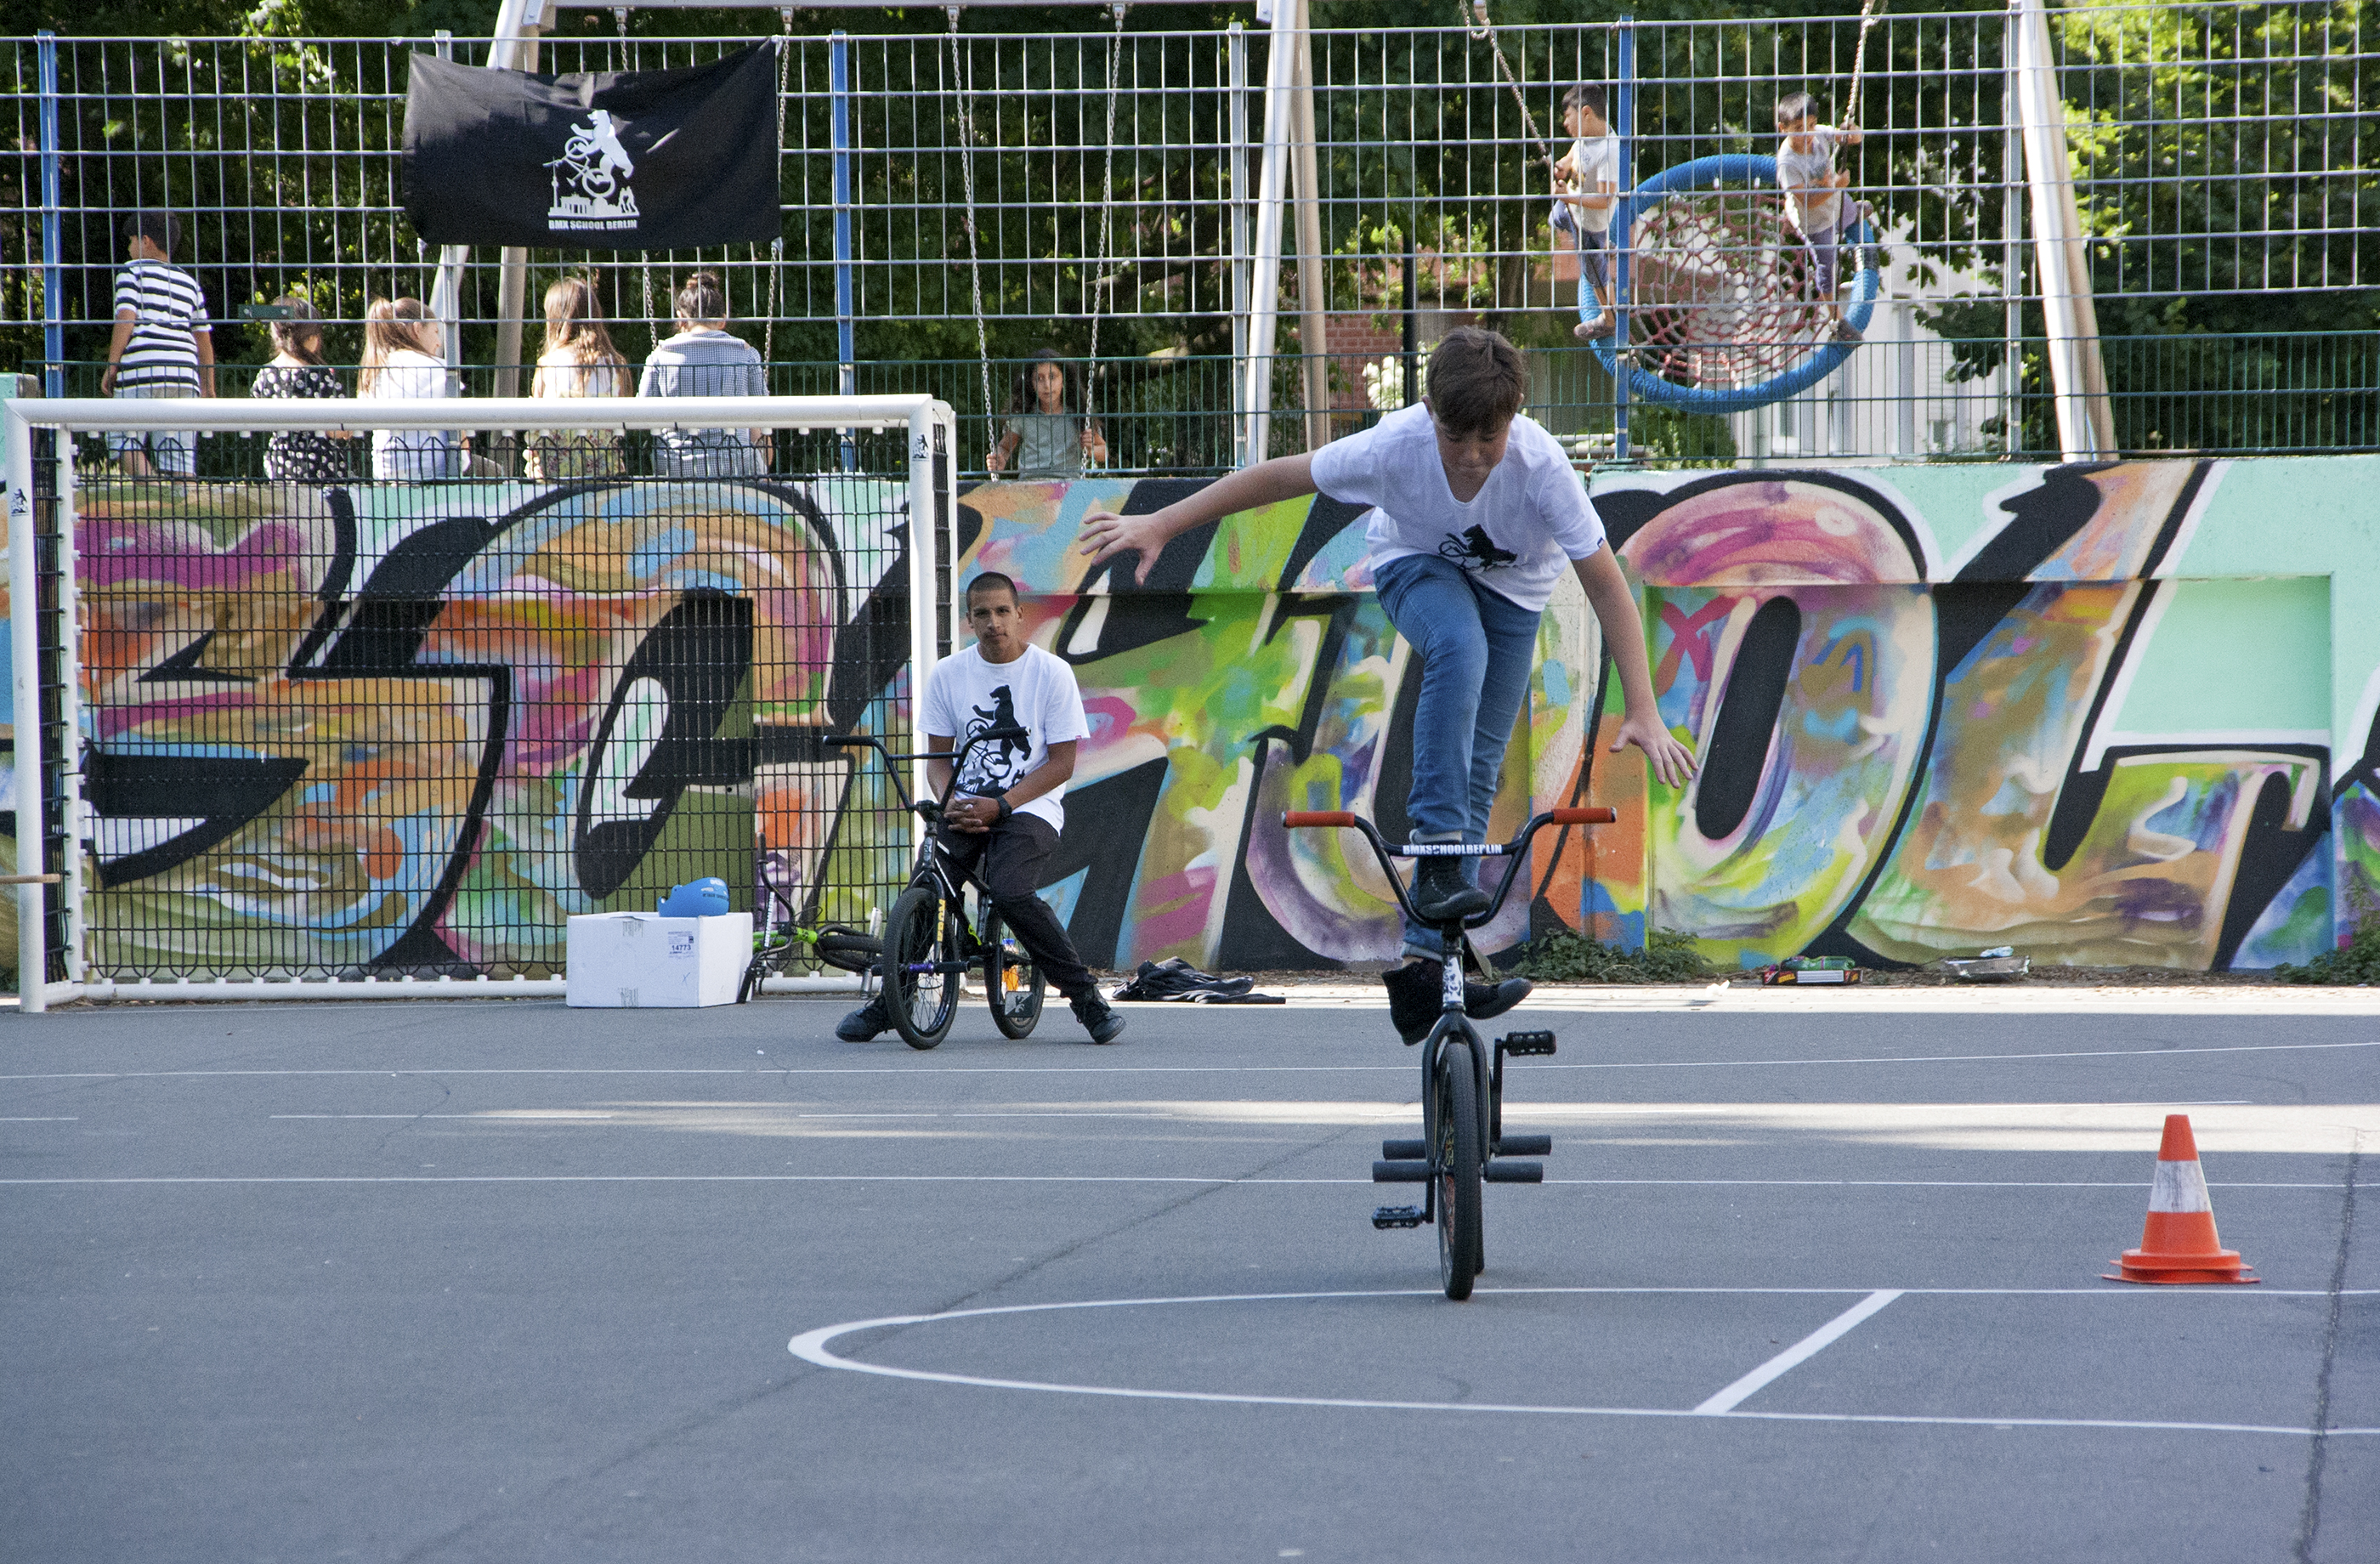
column 1515, row 537
column 1597, row 158
column 966, row 695
column 1802, row 171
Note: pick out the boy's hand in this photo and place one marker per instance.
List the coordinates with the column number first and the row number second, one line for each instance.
column 994, row 459
column 972, row 816
column 1108, row 534
column 1669, row 760
column 107, row 381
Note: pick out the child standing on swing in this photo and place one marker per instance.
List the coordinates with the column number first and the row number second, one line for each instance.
column 1046, row 424
column 1476, row 513
column 1813, row 195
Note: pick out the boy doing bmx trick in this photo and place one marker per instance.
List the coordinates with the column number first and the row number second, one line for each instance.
column 1475, row 512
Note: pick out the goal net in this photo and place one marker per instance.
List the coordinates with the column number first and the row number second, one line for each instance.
column 342, row 689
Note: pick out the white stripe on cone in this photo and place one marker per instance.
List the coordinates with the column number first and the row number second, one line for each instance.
column 2179, row 1186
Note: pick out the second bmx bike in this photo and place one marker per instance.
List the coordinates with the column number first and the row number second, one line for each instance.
column 929, row 943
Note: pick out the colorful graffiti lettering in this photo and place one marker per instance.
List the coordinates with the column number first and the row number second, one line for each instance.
column 2091, row 712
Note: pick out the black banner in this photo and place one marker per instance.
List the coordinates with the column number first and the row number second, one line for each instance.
column 607, row 160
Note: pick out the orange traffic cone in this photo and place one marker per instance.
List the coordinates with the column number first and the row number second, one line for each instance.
column 2178, row 1244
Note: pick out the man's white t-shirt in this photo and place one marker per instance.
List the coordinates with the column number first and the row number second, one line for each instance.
column 966, row 695
column 1515, row 537
column 1597, row 158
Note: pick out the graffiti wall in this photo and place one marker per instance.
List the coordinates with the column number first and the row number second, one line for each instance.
column 2109, row 715
column 413, row 729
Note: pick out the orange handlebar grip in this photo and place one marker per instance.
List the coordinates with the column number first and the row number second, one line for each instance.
column 1296, row 817
column 1598, row 816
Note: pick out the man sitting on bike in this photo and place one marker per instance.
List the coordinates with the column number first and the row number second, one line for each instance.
column 1002, row 822
column 1475, row 514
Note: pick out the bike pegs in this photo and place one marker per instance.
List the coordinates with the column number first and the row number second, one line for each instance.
column 1526, row 1045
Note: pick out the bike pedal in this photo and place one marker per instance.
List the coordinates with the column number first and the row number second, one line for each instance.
column 1403, row 1171
column 1525, row 1145
column 1503, row 1171
column 1398, row 1217
column 1526, row 1045
column 1403, row 1150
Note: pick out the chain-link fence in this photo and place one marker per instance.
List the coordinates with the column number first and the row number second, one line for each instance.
column 2223, row 156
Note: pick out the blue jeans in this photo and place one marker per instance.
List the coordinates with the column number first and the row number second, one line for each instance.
column 1477, row 648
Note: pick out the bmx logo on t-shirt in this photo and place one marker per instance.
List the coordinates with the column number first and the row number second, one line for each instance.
column 1475, row 550
column 596, row 169
column 993, row 767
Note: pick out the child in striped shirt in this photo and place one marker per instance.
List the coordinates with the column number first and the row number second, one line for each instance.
column 162, row 347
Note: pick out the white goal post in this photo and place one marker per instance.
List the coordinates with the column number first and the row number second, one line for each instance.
column 818, row 445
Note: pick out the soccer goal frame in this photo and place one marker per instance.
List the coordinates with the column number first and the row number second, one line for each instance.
column 53, row 736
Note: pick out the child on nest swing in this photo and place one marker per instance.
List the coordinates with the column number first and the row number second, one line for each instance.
column 1814, row 196
column 1046, row 422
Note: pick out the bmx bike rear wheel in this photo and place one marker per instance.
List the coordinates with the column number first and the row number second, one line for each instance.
column 920, row 945
column 1457, row 1153
column 1013, row 980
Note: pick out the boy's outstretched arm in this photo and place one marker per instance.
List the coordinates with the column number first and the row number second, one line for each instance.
column 1267, row 483
column 1623, row 631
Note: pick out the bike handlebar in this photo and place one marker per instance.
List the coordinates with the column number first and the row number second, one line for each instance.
column 870, row 741
column 1593, row 815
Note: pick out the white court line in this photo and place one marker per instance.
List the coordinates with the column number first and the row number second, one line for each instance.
column 1203, row 1069
column 1085, row 1179
column 1800, row 1351
column 49, row 1121
column 812, row 1346
column 571, row 1114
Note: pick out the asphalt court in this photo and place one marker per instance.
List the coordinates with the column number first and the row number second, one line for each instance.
column 465, row 1280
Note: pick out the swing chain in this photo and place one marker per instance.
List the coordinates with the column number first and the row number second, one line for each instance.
column 1099, row 281
column 1485, row 33
column 975, row 249
column 1871, row 13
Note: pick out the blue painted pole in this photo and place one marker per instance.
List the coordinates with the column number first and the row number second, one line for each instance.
column 845, row 346
column 1623, row 125
column 53, row 319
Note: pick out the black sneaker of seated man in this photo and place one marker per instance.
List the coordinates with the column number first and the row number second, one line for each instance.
column 1414, row 998
column 868, row 1023
column 1103, row 1023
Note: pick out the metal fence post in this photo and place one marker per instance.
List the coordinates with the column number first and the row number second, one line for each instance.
column 1236, row 53
column 1624, row 126
column 846, row 350
column 53, row 319
column 25, row 698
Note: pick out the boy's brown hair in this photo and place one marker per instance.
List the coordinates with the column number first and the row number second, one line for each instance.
column 1477, row 381
column 1795, row 107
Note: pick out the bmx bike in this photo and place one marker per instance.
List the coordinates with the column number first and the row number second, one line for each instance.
column 1463, row 1144
column 929, row 946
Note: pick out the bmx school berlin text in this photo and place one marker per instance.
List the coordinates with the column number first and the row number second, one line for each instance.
column 2115, row 714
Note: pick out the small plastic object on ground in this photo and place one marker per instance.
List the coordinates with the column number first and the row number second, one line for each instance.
column 1998, row 965
column 1812, row 969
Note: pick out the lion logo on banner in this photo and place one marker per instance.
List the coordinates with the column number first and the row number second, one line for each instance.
column 595, row 169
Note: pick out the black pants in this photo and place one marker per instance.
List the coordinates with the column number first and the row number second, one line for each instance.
column 1008, row 858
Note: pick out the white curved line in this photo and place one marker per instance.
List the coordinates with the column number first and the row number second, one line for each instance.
column 811, row 1346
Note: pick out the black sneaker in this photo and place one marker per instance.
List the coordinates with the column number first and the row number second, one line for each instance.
column 1442, row 889
column 1104, row 1025
column 1414, row 998
column 869, row 1020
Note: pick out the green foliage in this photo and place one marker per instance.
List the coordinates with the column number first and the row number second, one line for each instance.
column 2354, row 965
column 1668, row 957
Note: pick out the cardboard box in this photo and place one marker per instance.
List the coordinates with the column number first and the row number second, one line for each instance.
column 633, row 960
